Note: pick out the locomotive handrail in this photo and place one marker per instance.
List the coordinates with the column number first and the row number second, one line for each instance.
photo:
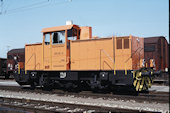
column 107, row 56
column 30, row 59
column 133, row 54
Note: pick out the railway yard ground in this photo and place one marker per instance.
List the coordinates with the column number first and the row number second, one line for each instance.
column 22, row 99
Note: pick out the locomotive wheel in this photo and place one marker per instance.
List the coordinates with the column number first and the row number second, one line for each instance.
column 32, row 85
column 142, row 83
column 44, row 83
column 7, row 76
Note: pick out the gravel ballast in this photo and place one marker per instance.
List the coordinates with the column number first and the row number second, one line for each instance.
column 113, row 103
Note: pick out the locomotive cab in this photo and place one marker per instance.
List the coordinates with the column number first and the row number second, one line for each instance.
column 56, row 46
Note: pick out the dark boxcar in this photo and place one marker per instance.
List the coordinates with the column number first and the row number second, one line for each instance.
column 13, row 57
column 3, row 66
column 157, row 48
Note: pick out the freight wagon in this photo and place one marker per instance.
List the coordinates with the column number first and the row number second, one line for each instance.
column 3, row 67
column 157, row 49
column 13, row 57
column 69, row 57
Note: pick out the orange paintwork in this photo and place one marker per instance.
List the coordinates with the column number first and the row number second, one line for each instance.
column 21, row 65
column 101, row 54
column 123, row 56
column 33, row 57
column 92, row 54
column 84, row 53
column 58, row 28
column 86, row 33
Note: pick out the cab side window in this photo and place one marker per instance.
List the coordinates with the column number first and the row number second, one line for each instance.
column 72, row 34
column 119, row 43
column 126, row 43
column 47, row 39
column 58, row 37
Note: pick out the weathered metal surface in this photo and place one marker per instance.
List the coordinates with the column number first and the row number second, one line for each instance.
column 3, row 66
column 157, row 48
column 13, row 57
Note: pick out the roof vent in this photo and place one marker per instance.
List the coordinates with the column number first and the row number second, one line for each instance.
column 69, row 22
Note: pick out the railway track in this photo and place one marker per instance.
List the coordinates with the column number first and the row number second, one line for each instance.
column 152, row 96
column 41, row 106
column 20, row 99
column 3, row 78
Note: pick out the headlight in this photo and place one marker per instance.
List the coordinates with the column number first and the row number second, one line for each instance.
column 9, row 65
column 166, row 69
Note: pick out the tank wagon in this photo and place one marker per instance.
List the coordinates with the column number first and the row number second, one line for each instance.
column 14, row 57
column 69, row 57
column 3, row 67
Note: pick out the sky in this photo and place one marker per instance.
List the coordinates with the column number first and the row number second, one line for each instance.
column 21, row 21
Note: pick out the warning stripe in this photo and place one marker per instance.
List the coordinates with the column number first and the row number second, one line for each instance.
column 137, row 87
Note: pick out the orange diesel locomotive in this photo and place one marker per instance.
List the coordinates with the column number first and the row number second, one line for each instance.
column 69, row 57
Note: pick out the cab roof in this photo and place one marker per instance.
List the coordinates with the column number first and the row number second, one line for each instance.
column 59, row 28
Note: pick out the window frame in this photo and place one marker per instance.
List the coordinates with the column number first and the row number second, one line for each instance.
column 119, row 46
column 45, row 39
column 124, row 43
column 52, row 36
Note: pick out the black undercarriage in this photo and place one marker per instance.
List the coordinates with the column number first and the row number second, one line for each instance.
column 75, row 80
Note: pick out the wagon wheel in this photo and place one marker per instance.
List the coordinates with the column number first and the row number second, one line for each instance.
column 142, row 83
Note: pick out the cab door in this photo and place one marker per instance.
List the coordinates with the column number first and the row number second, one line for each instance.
column 59, row 54
column 47, row 51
